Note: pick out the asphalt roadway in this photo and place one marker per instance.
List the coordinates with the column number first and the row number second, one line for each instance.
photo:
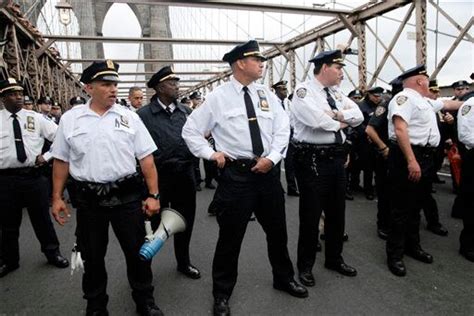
column 442, row 288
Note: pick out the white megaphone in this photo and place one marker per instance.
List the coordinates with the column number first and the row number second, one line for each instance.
column 172, row 222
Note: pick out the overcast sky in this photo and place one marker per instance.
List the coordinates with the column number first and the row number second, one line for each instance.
column 241, row 25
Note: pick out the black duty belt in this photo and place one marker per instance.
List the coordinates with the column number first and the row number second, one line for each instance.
column 418, row 149
column 26, row 171
column 242, row 165
column 321, row 151
column 105, row 189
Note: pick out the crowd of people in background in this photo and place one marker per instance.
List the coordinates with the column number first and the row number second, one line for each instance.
column 388, row 145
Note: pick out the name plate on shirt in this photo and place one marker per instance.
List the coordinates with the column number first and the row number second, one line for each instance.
column 263, row 101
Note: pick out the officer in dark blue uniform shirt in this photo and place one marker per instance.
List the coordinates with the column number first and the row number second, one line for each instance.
column 164, row 118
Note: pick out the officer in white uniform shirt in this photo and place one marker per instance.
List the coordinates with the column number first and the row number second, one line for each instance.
column 22, row 135
column 251, row 132
column 321, row 112
column 466, row 188
column 97, row 144
column 414, row 136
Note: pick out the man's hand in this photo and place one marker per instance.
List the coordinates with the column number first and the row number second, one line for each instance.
column 219, row 158
column 385, row 152
column 40, row 160
column 60, row 211
column 414, row 171
column 263, row 165
column 151, row 206
column 448, row 118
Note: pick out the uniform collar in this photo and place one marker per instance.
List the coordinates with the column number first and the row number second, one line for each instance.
column 156, row 106
column 86, row 110
column 317, row 84
column 8, row 114
column 413, row 92
column 238, row 86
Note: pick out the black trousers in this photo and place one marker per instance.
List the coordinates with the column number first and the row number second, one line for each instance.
column 178, row 191
column 92, row 232
column 466, row 192
column 239, row 194
column 290, row 168
column 382, row 188
column 30, row 191
column 407, row 199
column 322, row 184
column 210, row 170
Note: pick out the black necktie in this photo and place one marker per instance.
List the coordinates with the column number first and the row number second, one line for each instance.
column 332, row 105
column 168, row 110
column 283, row 104
column 20, row 148
column 257, row 145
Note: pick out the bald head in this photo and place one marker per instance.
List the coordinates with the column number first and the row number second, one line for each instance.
column 419, row 83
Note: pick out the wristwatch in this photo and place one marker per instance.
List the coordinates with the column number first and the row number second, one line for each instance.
column 156, row 196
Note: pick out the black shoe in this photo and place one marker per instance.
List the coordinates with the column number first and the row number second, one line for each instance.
column 292, row 288
column 5, row 269
column 318, row 247
column 58, row 261
column 469, row 255
column 307, row 278
column 370, row 196
column 344, row 238
column 420, row 255
column 382, row 233
column 102, row 312
column 198, row 187
column 349, row 196
column 210, row 186
column 293, row 193
column 342, row 268
column 438, row 230
column 190, row 271
column 221, row 307
column 397, row 267
column 149, row 309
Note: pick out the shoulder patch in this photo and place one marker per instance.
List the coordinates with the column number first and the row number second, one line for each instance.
column 465, row 110
column 379, row 110
column 301, row 93
column 401, row 99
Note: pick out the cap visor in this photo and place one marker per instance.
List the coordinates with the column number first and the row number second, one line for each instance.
column 108, row 78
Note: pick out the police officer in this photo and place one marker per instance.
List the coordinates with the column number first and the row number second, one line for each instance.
column 460, row 88
column 77, row 101
column 28, row 103
column 251, row 131
column 466, row 188
column 414, row 136
column 377, row 130
column 21, row 183
column 164, row 118
column 372, row 99
column 97, row 143
column 44, row 106
column 321, row 111
column 281, row 92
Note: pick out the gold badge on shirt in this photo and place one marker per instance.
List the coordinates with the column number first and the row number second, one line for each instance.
column 263, row 101
column 401, row 99
column 30, row 123
column 465, row 110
